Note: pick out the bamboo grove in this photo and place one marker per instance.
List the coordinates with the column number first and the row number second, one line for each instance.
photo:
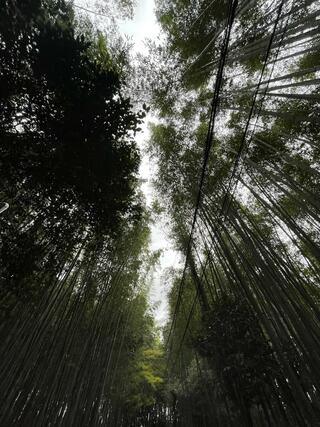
column 78, row 345
column 238, row 152
column 235, row 87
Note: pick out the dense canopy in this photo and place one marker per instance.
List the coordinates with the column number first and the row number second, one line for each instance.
column 234, row 88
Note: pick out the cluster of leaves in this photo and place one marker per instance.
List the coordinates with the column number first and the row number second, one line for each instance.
column 234, row 343
column 69, row 161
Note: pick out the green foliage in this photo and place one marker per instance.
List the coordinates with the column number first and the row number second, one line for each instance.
column 243, row 334
column 69, row 162
column 310, row 60
column 240, row 355
column 190, row 35
column 238, row 359
column 146, row 377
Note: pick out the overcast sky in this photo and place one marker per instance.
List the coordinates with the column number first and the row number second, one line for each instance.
column 144, row 26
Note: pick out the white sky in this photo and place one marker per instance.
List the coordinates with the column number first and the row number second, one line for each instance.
column 144, row 26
